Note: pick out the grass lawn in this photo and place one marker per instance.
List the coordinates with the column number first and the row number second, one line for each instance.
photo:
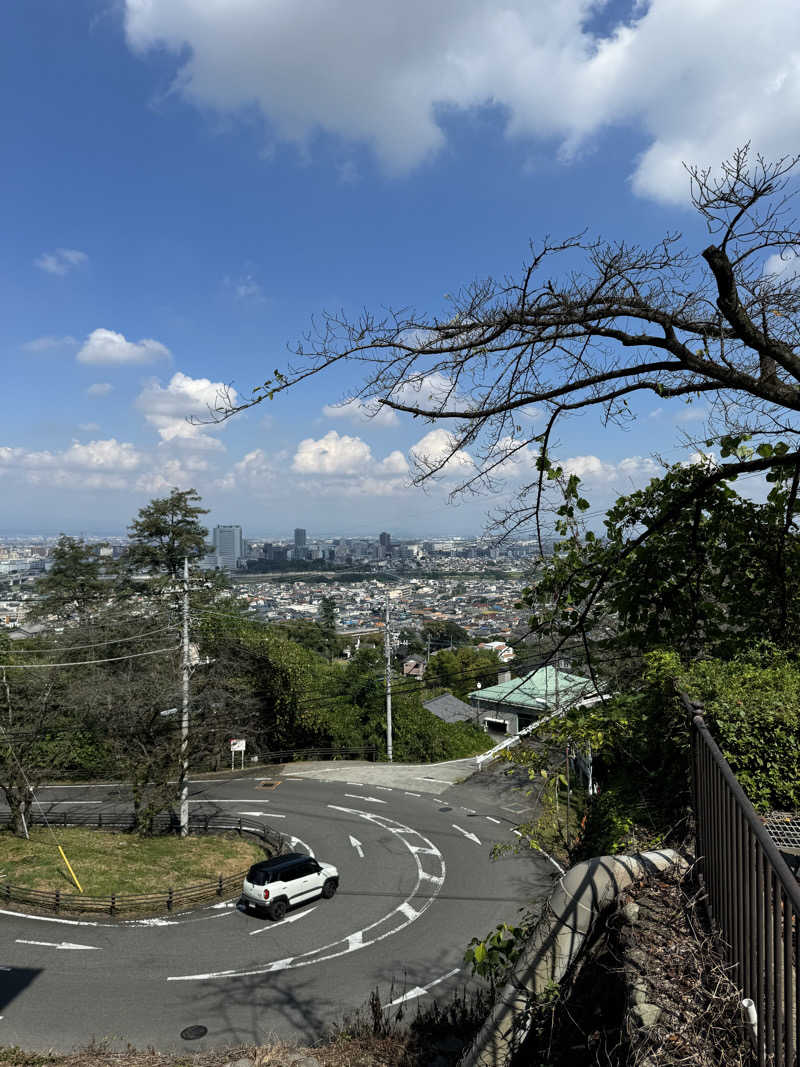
column 107, row 862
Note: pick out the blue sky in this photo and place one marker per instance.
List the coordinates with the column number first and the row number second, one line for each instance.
column 186, row 183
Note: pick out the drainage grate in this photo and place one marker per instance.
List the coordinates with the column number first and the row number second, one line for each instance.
column 192, row 1033
column 268, row 785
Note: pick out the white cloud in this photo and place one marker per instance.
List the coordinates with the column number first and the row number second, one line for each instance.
column 45, row 344
column 395, row 463
column 694, row 79
column 97, row 465
column 359, row 412
column 593, row 469
column 61, row 261
column 245, row 288
column 110, row 347
column 784, row 265
column 332, row 454
column 99, row 389
column 167, row 408
column 435, row 447
column 692, row 414
column 254, row 472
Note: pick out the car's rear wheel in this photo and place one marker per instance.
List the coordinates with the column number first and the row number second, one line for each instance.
column 328, row 889
column 277, row 910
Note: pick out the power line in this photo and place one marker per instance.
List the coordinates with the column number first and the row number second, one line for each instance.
column 86, row 662
column 93, row 644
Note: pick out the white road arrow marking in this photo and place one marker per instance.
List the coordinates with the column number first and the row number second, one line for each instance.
column 357, row 846
column 420, row 991
column 53, row 944
column 373, row 800
column 288, row 919
column 466, row 833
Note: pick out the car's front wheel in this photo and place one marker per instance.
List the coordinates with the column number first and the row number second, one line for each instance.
column 328, row 889
column 277, row 910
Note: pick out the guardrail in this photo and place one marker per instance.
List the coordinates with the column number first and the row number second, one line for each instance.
column 753, row 897
column 289, row 755
column 169, row 899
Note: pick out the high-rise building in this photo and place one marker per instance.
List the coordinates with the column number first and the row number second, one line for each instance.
column 385, row 541
column 229, row 545
column 299, row 538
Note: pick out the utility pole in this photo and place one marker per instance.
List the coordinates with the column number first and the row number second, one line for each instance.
column 184, row 769
column 388, row 647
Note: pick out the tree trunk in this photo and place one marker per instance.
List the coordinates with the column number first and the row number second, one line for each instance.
column 20, row 801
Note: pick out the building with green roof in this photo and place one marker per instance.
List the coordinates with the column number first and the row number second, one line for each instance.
column 515, row 703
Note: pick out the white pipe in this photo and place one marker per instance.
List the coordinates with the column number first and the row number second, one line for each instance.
column 750, row 1019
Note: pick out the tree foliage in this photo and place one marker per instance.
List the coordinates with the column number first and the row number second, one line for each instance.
column 165, row 531
column 77, row 582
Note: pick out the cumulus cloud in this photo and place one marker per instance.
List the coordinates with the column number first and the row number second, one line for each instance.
column 783, row 265
column 99, row 389
column 332, row 454
column 594, row 469
column 96, row 465
column 46, row 344
column 693, row 79
column 359, row 412
column 254, row 472
column 167, row 407
column 437, row 446
column 60, row 262
column 110, row 347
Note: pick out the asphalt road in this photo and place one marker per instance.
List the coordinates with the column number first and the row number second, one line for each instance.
column 416, row 886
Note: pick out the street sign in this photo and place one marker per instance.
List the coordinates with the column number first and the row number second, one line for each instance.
column 237, row 745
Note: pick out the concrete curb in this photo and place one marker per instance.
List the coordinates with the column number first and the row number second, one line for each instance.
column 576, row 901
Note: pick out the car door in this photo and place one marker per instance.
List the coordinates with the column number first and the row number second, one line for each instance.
column 308, row 882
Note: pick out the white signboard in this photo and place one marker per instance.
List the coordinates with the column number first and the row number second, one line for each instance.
column 238, row 744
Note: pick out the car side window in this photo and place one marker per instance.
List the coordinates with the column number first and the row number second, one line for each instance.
column 305, row 868
column 292, row 872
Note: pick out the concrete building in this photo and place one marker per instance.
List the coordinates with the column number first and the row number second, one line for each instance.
column 229, row 546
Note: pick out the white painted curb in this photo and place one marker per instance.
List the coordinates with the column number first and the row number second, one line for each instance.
column 576, row 901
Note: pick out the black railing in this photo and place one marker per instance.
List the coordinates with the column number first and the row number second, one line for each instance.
column 169, row 898
column 753, row 897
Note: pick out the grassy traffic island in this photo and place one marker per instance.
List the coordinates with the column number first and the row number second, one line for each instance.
column 107, row 862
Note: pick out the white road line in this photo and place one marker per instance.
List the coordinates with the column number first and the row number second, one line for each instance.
column 420, row 991
column 466, row 833
column 61, row 945
column 373, row 800
column 271, row 814
column 358, row 939
column 385, row 788
column 288, row 919
column 442, row 781
column 408, row 911
column 48, row 919
column 412, row 794
column 253, row 800
column 517, row 833
column 492, row 819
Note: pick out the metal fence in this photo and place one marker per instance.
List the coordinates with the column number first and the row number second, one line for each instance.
column 289, row 755
column 169, row 898
column 753, row 896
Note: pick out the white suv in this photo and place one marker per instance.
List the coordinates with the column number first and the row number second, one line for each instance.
column 291, row 879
